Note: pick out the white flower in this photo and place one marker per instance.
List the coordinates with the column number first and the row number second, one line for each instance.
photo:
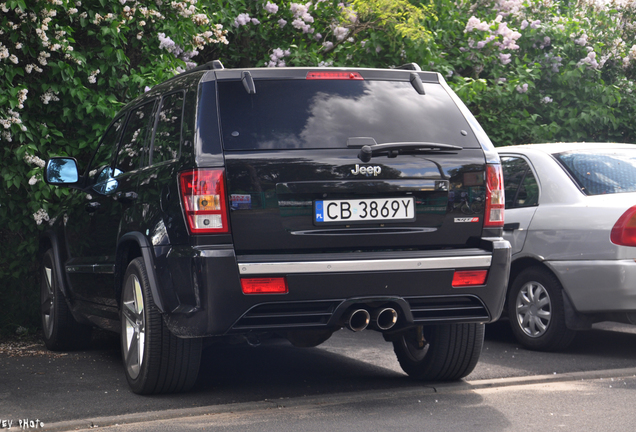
column 340, row 33
column 522, row 88
column 13, row 58
column 281, row 23
column 255, row 21
column 34, row 160
column 33, row 180
column 582, row 40
column 546, row 100
column 40, row 216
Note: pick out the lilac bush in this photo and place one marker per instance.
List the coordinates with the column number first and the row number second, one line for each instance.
column 66, row 67
column 542, row 70
column 373, row 33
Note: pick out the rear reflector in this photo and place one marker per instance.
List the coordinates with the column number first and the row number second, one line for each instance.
column 468, row 278
column 204, row 202
column 276, row 285
column 624, row 230
column 495, row 201
column 334, row 76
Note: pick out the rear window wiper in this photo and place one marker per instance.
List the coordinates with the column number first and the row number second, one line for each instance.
column 369, row 148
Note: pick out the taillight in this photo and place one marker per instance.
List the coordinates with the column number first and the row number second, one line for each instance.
column 275, row 285
column 330, row 75
column 494, row 196
column 624, row 230
column 204, row 202
column 466, row 278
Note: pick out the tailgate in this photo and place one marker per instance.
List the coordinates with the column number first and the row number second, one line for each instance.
column 293, row 201
column 370, row 160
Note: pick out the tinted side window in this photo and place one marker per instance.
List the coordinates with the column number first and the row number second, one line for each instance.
column 167, row 140
column 134, row 139
column 520, row 185
column 104, row 154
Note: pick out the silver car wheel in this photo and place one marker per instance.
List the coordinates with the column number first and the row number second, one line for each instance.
column 533, row 309
column 134, row 326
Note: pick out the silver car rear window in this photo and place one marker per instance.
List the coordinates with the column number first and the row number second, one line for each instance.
column 599, row 172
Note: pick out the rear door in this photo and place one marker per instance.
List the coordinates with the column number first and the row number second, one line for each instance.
column 299, row 181
column 522, row 198
column 93, row 229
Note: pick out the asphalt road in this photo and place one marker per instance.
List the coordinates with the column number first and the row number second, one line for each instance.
column 577, row 405
column 75, row 389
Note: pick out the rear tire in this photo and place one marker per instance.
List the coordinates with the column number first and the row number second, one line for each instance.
column 155, row 360
column 536, row 312
column 446, row 352
column 61, row 331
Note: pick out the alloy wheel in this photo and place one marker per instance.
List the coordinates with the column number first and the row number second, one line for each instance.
column 134, row 326
column 47, row 300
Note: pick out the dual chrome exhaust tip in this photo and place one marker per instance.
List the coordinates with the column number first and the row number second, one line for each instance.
column 381, row 319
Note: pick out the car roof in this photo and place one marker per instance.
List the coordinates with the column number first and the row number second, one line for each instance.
column 551, row 148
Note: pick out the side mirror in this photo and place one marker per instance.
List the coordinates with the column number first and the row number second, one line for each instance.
column 61, row 171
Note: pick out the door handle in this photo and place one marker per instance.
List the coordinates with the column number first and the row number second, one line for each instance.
column 511, row 226
column 92, row 207
column 125, row 197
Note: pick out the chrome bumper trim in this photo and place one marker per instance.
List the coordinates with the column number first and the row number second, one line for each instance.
column 251, row 268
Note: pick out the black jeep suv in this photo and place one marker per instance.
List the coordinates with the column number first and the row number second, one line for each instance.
column 228, row 205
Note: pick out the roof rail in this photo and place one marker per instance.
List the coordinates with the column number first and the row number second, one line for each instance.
column 410, row 66
column 213, row 65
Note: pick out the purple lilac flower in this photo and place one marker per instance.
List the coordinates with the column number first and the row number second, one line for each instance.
column 241, row 20
column 271, row 8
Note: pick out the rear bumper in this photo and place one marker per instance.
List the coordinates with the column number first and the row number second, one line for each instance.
column 323, row 287
column 600, row 285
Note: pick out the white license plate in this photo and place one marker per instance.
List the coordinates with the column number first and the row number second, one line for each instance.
column 365, row 210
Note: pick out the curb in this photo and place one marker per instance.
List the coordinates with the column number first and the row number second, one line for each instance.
column 326, row 400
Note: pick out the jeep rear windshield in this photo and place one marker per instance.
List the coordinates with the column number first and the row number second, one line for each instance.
column 314, row 114
column 602, row 171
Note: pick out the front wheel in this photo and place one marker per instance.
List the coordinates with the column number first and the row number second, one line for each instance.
column 535, row 308
column 155, row 360
column 445, row 352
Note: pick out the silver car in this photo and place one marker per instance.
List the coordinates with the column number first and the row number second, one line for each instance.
column 571, row 220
